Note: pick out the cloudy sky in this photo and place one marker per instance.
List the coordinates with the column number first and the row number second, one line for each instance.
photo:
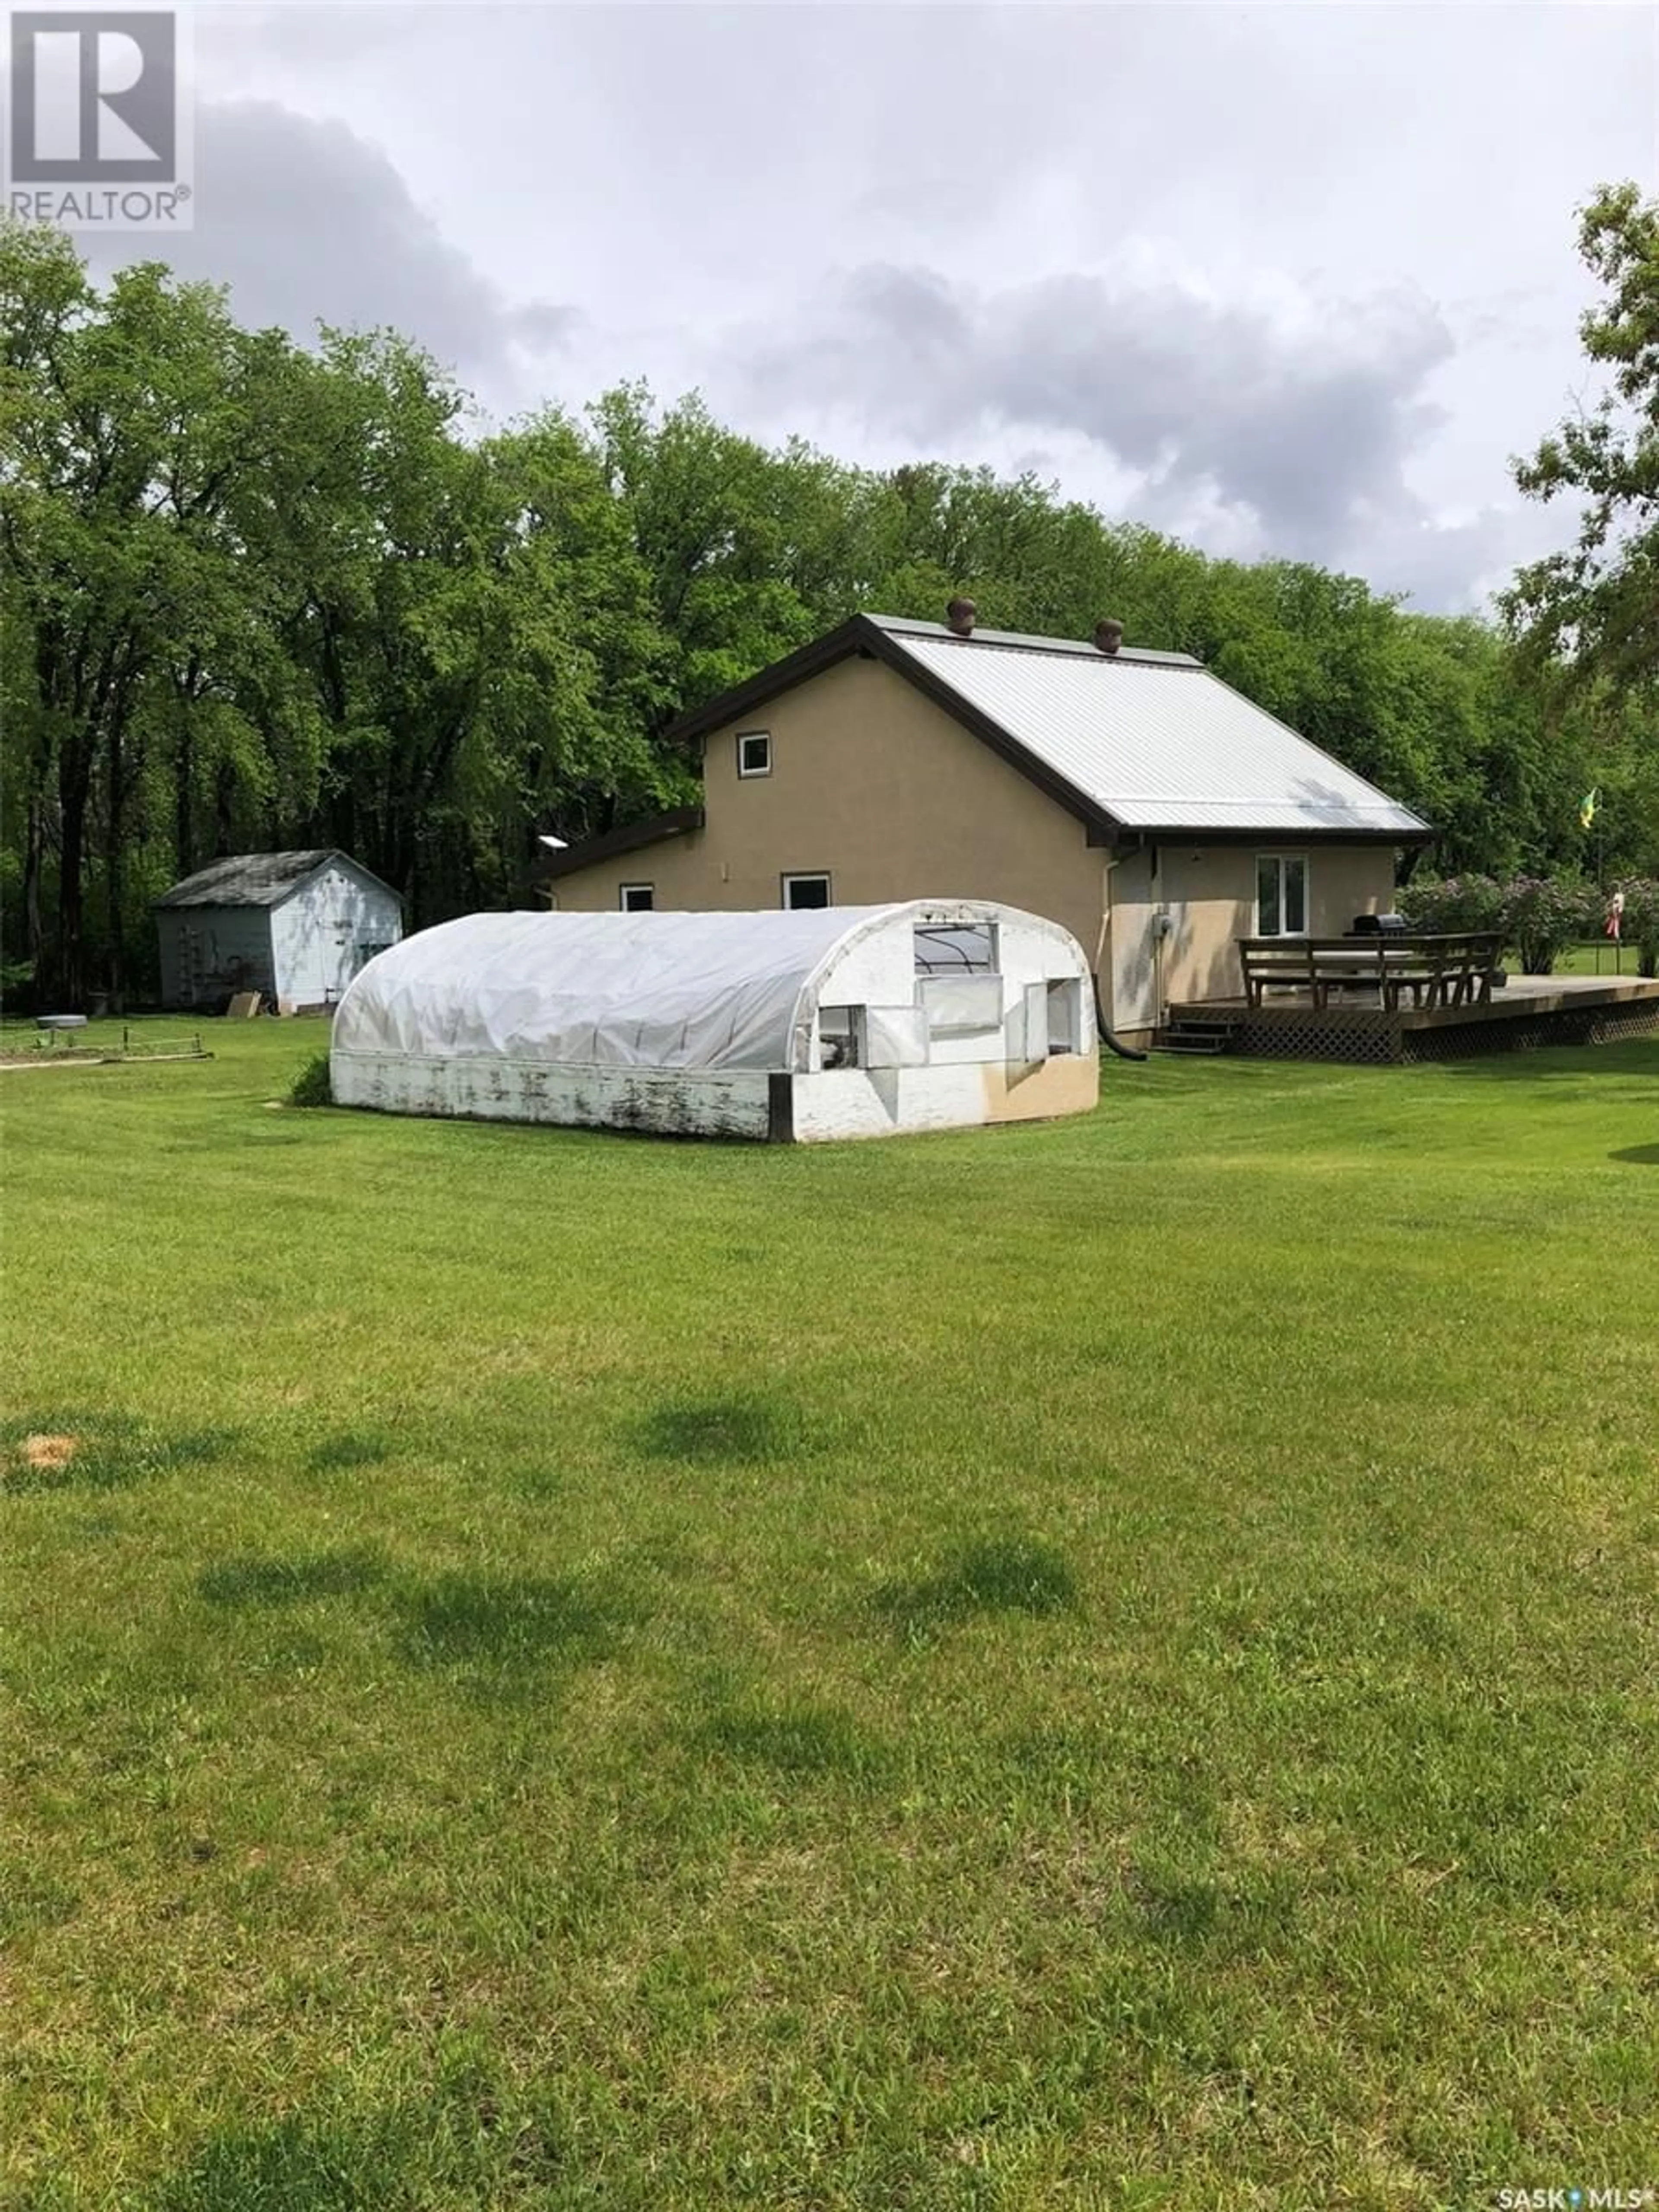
column 1294, row 280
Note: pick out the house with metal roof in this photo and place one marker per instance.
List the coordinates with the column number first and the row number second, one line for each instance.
column 1129, row 795
column 295, row 926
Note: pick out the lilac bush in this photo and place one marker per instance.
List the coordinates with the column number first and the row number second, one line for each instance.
column 1537, row 916
column 1543, row 915
column 1453, row 904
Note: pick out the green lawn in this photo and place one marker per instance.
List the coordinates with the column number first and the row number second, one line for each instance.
column 1109, row 1665
column 1603, row 958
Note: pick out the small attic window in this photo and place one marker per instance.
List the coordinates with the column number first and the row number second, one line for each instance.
column 754, row 752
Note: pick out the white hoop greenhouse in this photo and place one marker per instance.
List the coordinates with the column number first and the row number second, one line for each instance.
column 833, row 1022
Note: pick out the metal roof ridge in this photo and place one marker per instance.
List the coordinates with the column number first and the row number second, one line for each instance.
column 1025, row 640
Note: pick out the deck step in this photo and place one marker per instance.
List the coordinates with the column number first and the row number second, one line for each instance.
column 1197, row 1036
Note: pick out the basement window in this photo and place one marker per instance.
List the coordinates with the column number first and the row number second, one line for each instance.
column 754, row 752
column 637, row 898
column 800, row 891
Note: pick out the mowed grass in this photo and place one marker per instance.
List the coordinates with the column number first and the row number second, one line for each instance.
column 1113, row 1664
column 1614, row 963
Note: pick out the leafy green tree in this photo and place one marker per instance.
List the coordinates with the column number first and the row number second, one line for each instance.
column 750, row 553
column 1594, row 608
column 133, row 425
column 254, row 593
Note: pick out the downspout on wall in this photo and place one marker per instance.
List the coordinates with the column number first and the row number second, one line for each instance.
column 1163, row 930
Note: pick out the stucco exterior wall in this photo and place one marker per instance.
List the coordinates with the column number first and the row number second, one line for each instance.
column 1129, row 972
column 877, row 787
column 1210, row 893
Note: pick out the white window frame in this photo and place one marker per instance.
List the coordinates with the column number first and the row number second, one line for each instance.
column 807, row 876
column 749, row 737
column 1279, row 861
column 623, row 891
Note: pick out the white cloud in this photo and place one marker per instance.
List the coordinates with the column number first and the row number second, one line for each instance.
column 308, row 223
column 1295, row 280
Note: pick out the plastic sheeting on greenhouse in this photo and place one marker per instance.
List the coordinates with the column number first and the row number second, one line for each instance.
column 625, row 990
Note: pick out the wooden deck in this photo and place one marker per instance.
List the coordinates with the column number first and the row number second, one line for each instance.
column 1527, row 1012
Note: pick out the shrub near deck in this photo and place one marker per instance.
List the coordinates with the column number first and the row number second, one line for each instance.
column 1102, row 1663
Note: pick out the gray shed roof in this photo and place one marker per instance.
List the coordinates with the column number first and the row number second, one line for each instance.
column 260, row 879
column 1153, row 740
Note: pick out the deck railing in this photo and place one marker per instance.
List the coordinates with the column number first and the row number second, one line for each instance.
column 1436, row 972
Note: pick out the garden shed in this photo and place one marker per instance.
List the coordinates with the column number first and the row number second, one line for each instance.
column 788, row 1024
column 295, row 926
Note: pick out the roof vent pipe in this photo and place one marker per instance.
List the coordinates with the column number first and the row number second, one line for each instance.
column 1108, row 635
column 960, row 617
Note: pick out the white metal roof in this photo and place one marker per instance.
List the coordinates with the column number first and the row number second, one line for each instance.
column 1155, row 741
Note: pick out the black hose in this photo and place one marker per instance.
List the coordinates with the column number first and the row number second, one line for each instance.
column 1111, row 1043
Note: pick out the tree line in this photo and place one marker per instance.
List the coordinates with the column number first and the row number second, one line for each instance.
column 256, row 595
